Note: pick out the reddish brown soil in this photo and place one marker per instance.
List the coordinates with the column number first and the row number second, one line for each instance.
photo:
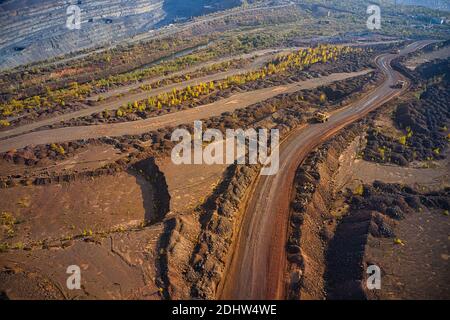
column 62, row 210
column 419, row 269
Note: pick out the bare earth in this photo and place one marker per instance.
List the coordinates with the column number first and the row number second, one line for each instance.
column 51, row 217
column 419, row 269
column 189, row 185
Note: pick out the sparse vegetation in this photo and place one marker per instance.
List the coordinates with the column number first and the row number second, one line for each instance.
column 281, row 70
column 8, row 222
column 422, row 139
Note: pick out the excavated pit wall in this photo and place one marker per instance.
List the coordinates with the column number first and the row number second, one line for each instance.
column 36, row 30
column 32, row 31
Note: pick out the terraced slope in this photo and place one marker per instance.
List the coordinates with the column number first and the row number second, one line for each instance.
column 33, row 30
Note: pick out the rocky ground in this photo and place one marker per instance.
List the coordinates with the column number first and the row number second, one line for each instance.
column 26, row 21
column 423, row 125
column 349, row 214
column 340, row 226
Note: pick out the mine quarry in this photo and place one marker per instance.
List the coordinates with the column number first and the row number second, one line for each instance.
column 88, row 180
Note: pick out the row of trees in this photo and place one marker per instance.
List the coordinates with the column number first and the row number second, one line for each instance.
column 78, row 92
column 298, row 60
column 214, row 68
column 306, row 57
column 51, row 98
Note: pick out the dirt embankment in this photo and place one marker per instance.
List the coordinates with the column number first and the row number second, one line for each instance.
column 220, row 225
column 143, row 161
column 326, row 247
column 336, row 233
column 196, row 249
column 311, row 221
column 131, row 147
column 161, row 197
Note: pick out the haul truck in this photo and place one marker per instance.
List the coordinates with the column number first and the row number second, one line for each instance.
column 321, row 117
column 399, row 85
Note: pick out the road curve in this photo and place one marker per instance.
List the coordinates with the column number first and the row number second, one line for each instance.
column 261, row 58
column 240, row 100
column 257, row 269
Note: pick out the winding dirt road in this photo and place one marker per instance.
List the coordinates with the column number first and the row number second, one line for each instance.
column 124, row 93
column 257, row 269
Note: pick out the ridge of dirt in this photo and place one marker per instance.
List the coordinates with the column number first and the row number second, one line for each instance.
column 335, row 235
column 311, row 217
